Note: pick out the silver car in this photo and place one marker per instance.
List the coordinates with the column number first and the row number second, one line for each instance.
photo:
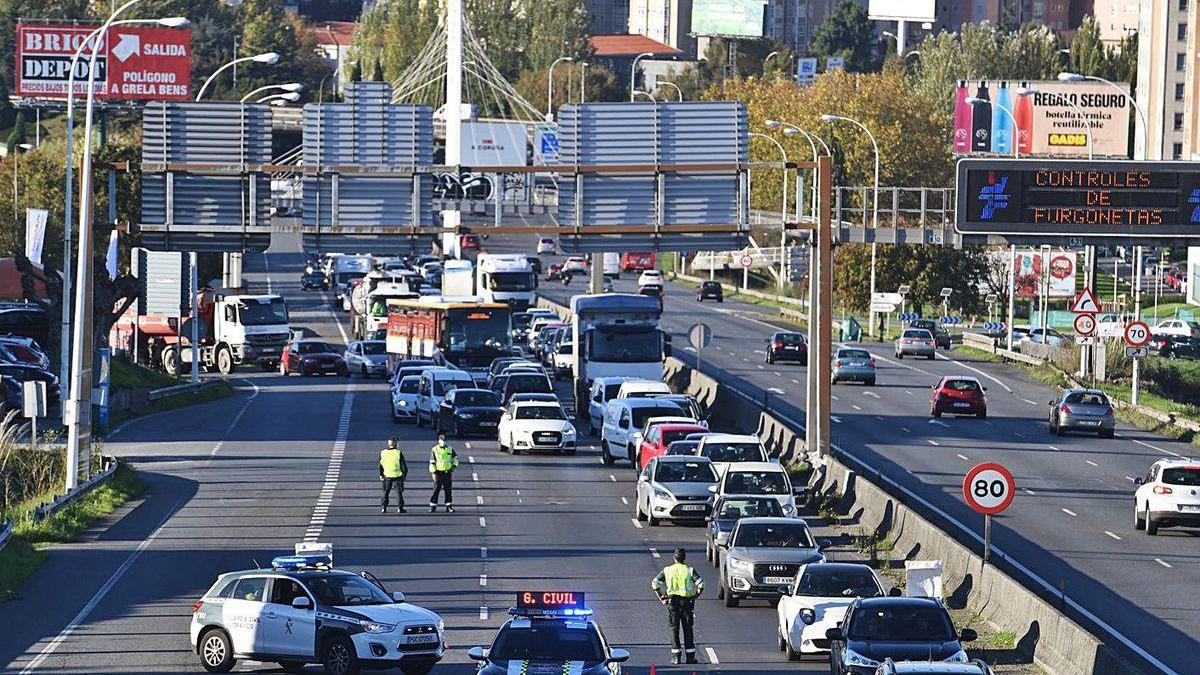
column 763, row 557
column 853, row 365
column 916, row 342
column 404, row 399
column 367, row 358
column 674, row 487
column 1083, row 410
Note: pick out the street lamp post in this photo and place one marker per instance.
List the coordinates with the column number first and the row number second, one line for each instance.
column 290, row 87
column 678, row 91
column 550, row 87
column 783, row 213
column 269, row 58
column 582, row 81
column 875, row 206
column 16, row 163
column 280, row 99
column 633, row 73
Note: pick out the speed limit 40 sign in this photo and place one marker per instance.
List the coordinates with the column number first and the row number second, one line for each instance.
column 989, row 488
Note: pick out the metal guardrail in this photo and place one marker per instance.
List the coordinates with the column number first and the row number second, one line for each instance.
column 6, row 535
column 176, row 389
column 45, row 511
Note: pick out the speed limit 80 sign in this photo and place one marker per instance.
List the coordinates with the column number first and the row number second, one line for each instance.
column 989, row 488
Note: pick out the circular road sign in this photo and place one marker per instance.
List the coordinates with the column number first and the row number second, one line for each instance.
column 699, row 335
column 989, row 488
column 747, row 261
column 1085, row 324
column 1137, row 334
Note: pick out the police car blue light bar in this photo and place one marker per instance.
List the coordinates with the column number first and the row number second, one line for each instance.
column 308, row 555
column 550, row 603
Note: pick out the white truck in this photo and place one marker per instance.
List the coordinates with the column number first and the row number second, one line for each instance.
column 506, row 278
column 458, row 279
column 346, row 268
column 616, row 335
column 369, row 306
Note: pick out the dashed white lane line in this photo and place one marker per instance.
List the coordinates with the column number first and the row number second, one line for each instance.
column 1069, row 512
column 1091, row 462
column 316, row 523
column 776, row 373
column 746, row 359
column 931, row 441
column 1131, row 479
column 760, row 367
column 1164, row 563
column 479, row 499
column 482, row 551
column 1018, row 435
column 939, row 423
column 1152, row 447
column 834, row 397
column 868, row 392
column 468, row 446
column 795, row 381
column 908, row 392
column 482, row 521
column 976, row 370
column 1052, row 447
column 836, row 419
column 654, row 552
column 471, row 458
column 635, row 523
column 1113, row 535
column 712, row 656
column 624, row 501
column 1027, row 400
column 483, row 580
column 612, row 478
column 855, row 406
column 483, row 613
column 1028, row 491
column 963, row 457
column 474, row 476
column 906, row 430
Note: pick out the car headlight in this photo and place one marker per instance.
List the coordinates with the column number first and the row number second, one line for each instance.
column 569, row 431
column 789, row 510
column 662, row 494
column 738, row 564
column 852, row 658
column 441, row 626
column 376, row 627
column 403, row 404
column 808, row 616
column 959, row 656
column 467, row 415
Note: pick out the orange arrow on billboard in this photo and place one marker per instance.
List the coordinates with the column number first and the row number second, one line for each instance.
column 1085, row 303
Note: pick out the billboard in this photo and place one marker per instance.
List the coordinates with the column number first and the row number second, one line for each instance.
column 493, row 144
column 134, row 62
column 1047, row 121
column 901, row 10
column 741, row 18
column 1031, row 275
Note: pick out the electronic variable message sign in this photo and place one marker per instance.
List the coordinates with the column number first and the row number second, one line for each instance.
column 1052, row 200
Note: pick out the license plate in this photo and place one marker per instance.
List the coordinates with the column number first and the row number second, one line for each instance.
column 1190, row 508
column 962, row 405
column 777, row 580
column 1089, row 423
column 692, row 507
column 487, row 424
column 422, row 639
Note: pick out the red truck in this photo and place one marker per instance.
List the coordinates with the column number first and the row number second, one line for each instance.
column 637, row 262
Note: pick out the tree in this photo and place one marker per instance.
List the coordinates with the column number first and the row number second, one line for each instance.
column 17, row 135
column 1089, row 56
column 602, row 85
column 266, row 27
column 847, row 32
column 926, row 269
column 377, row 72
column 355, row 72
column 556, row 29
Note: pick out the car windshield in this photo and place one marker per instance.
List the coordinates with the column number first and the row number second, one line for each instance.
column 511, row 281
column 346, row 590
column 682, row 447
column 442, row 387
column 611, row 390
column 625, row 346
column 918, row 334
column 478, row 398
column 521, row 320
column 540, row 412
column 789, row 338
column 553, row 640
column 734, row 452
column 529, row 383
column 1183, row 475
column 853, row 354
column 962, row 385
column 374, row 348
column 314, row 348
column 669, row 437
column 409, row 385
column 640, row 415
column 822, row 582
column 756, row 483
column 773, row 535
column 685, row 472
column 263, row 313
column 1087, row 398
column 900, row 623
column 750, row 508
column 927, row 325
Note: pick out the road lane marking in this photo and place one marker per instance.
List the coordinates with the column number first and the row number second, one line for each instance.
column 1028, row 491
column 795, row 381
column 316, row 522
column 1091, row 462
column 931, row 441
column 836, row 419
column 976, row 370
column 1152, row 447
column 1131, row 479
column 636, row 523
column 868, row 392
column 483, row 580
column 654, row 552
column 1069, row 512
column 712, row 656
column 612, row 478
column 482, row 551
column 1114, row 536
column 471, row 458
column 939, row 423
column 777, row 373
column 1052, row 447
column 1027, row 400
column 963, row 457
column 482, row 521
column 1018, row 435
column 1162, row 562
column 468, row 445
column 760, row 367
column 478, row 499
column 908, row 391
column 625, row 501
column 483, row 613
column 474, row 476
column 906, row 430
column 833, row 397
column 855, row 406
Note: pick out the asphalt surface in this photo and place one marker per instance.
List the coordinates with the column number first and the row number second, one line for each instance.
column 1071, row 524
column 239, row 480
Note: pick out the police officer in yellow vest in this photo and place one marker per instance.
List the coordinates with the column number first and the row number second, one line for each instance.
column 677, row 587
column 443, row 460
column 393, row 469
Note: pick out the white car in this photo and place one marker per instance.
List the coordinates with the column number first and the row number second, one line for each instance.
column 1111, row 325
column 367, row 358
column 1168, row 496
column 527, row 426
column 650, row 278
column 545, row 245
column 1177, row 327
column 817, row 601
column 1050, row 338
column 724, row 450
column 576, row 265
column 759, row 479
column 404, row 399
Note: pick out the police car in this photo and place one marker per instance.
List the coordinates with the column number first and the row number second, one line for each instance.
column 550, row 632
column 301, row 611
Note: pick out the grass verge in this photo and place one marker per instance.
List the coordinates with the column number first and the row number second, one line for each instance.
column 210, row 393
column 24, row 554
column 125, row 375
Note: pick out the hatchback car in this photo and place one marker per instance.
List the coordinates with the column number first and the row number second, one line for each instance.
column 469, row 411
column 817, row 600
column 367, row 358
column 404, row 399
column 576, row 265
column 876, row 629
column 312, row 357
column 545, row 246
column 1176, row 346
column 1168, row 496
column 958, row 395
column 675, row 489
column 710, row 290
column 786, row 346
column 1083, row 410
column 915, row 342
column 853, row 365
column 313, row 279
column 940, row 335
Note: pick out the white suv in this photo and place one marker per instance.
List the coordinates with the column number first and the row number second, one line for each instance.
column 1168, row 496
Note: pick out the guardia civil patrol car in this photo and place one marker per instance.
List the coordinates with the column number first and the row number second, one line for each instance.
column 302, row 611
column 550, row 633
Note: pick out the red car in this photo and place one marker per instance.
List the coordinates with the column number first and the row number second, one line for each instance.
column 312, row 357
column 468, row 241
column 659, row 436
column 958, row 395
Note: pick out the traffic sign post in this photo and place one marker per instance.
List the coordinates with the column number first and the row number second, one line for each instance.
column 1137, row 334
column 989, row 489
column 699, row 336
column 747, row 262
column 1085, row 303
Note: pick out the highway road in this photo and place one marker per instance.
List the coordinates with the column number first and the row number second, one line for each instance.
column 239, row 480
column 1071, row 524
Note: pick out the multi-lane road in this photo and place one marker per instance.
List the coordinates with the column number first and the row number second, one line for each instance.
column 240, row 480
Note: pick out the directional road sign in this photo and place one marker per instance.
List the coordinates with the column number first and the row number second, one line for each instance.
column 890, row 298
column 1085, row 324
column 989, row 488
column 699, row 335
column 882, row 307
column 1137, row 334
column 1137, row 352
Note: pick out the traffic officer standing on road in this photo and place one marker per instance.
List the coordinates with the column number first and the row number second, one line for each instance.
column 677, row 587
column 443, row 460
column 393, row 468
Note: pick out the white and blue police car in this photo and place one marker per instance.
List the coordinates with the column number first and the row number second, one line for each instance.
column 302, row 611
column 550, row 633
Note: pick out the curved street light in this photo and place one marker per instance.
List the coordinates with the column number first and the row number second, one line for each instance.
column 678, row 91
column 1076, row 77
column 291, row 87
column 783, row 213
column 269, row 58
column 633, row 73
column 288, row 97
column 644, row 93
column 550, row 87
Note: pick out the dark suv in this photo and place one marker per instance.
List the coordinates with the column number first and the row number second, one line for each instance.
column 941, row 337
column 710, row 290
column 904, row 629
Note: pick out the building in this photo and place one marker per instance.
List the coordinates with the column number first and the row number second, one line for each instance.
column 1063, row 16
column 617, row 52
column 1166, row 68
column 608, row 16
column 1191, row 88
column 666, row 21
column 333, row 42
column 792, row 22
column 1116, row 19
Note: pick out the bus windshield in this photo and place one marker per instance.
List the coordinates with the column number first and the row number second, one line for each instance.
column 472, row 329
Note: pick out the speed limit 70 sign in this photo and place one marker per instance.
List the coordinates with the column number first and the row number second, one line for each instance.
column 1137, row 334
column 989, row 488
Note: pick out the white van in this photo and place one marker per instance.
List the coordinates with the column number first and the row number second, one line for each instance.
column 612, row 265
column 435, row 382
column 632, row 388
column 603, row 390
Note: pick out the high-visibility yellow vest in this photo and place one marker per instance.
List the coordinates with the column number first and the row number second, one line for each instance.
column 389, row 459
column 679, row 579
column 442, row 458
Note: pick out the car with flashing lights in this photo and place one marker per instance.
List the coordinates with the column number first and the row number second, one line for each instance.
column 1082, row 410
column 1168, row 495
column 674, row 488
column 549, row 633
column 817, row 600
column 726, row 512
column 877, row 629
column 958, row 395
column 763, row 557
column 530, row 426
column 302, row 610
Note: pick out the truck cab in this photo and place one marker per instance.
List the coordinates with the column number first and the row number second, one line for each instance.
column 615, row 335
column 245, row 329
column 506, row 278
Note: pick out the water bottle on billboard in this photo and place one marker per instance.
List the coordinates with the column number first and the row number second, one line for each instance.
column 1002, row 132
column 981, row 120
column 1024, row 115
column 962, row 119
